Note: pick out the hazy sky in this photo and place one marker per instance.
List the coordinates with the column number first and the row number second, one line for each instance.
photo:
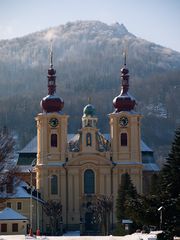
column 154, row 20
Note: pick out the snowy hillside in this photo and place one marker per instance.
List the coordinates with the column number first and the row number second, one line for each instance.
column 88, row 56
column 85, row 39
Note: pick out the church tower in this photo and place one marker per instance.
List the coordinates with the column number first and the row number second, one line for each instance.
column 89, row 129
column 51, row 140
column 125, row 133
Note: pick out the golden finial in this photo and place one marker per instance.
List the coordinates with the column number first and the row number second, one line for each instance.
column 124, row 54
column 89, row 100
column 51, row 54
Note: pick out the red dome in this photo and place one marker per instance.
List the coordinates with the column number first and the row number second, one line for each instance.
column 124, row 103
column 52, row 103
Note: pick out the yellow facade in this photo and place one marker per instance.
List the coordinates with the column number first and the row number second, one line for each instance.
column 21, row 227
column 12, row 222
column 74, row 170
column 69, row 166
column 24, row 206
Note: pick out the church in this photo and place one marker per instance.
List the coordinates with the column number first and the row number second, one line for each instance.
column 74, row 168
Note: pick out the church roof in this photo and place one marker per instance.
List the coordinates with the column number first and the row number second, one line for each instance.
column 28, row 154
column 144, row 147
column 31, row 147
column 151, row 167
column 10, row 214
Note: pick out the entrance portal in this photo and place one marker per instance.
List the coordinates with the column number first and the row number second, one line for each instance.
column 91, row 228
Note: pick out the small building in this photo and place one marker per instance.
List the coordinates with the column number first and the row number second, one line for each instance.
column 12, row 222
column 24, row 202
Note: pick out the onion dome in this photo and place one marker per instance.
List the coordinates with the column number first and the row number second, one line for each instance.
column 52, row 103
column 89, row 110
column 124, row 102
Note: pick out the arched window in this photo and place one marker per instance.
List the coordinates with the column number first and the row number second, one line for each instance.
column 53, row 140
column 88, row 139
column 54, row 184
column 123, row 139
column 89, row 181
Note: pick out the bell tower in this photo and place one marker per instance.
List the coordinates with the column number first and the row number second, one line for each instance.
column 125, row 132
column 51, row 139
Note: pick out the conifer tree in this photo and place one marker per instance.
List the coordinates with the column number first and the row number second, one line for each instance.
column 126, row 191
column 170, row 188
column 170, row 175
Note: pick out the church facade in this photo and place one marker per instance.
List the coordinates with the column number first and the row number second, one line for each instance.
column 74, row 168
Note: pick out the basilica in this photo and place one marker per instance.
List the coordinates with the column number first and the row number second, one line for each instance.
column 74, row 168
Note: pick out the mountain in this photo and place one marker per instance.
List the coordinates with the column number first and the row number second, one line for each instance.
column 88, row 56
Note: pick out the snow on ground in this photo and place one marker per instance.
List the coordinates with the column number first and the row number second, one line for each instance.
column 135, row 236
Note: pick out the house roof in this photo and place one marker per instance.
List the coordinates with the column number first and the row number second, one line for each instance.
column 10, row 214
column 21, row 190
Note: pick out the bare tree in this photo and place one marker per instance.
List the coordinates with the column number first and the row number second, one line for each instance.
column 7, row 168
column 53, row 210
column 101, row 209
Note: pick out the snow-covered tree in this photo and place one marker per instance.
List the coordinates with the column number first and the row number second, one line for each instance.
column 7, row 169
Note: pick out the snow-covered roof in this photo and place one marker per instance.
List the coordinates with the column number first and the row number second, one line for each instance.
column 31, row 147
column 56, row 164
column 10, row 214
column 73, row 138
column 144, row 147
column 25, row 168
column 150, row 167
column 127, row 163
column 21, row 191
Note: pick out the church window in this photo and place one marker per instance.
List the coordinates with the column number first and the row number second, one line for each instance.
column 123, row 139
column 54, row 184
column 88, row 139
column 89, row 182
column 53, row 140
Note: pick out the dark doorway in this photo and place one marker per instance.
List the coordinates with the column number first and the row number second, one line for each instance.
column 91, row 228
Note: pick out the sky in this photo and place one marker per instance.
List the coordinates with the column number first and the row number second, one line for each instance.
column 157, row 21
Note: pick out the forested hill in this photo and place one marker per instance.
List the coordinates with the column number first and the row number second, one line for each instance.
column 88, row 56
